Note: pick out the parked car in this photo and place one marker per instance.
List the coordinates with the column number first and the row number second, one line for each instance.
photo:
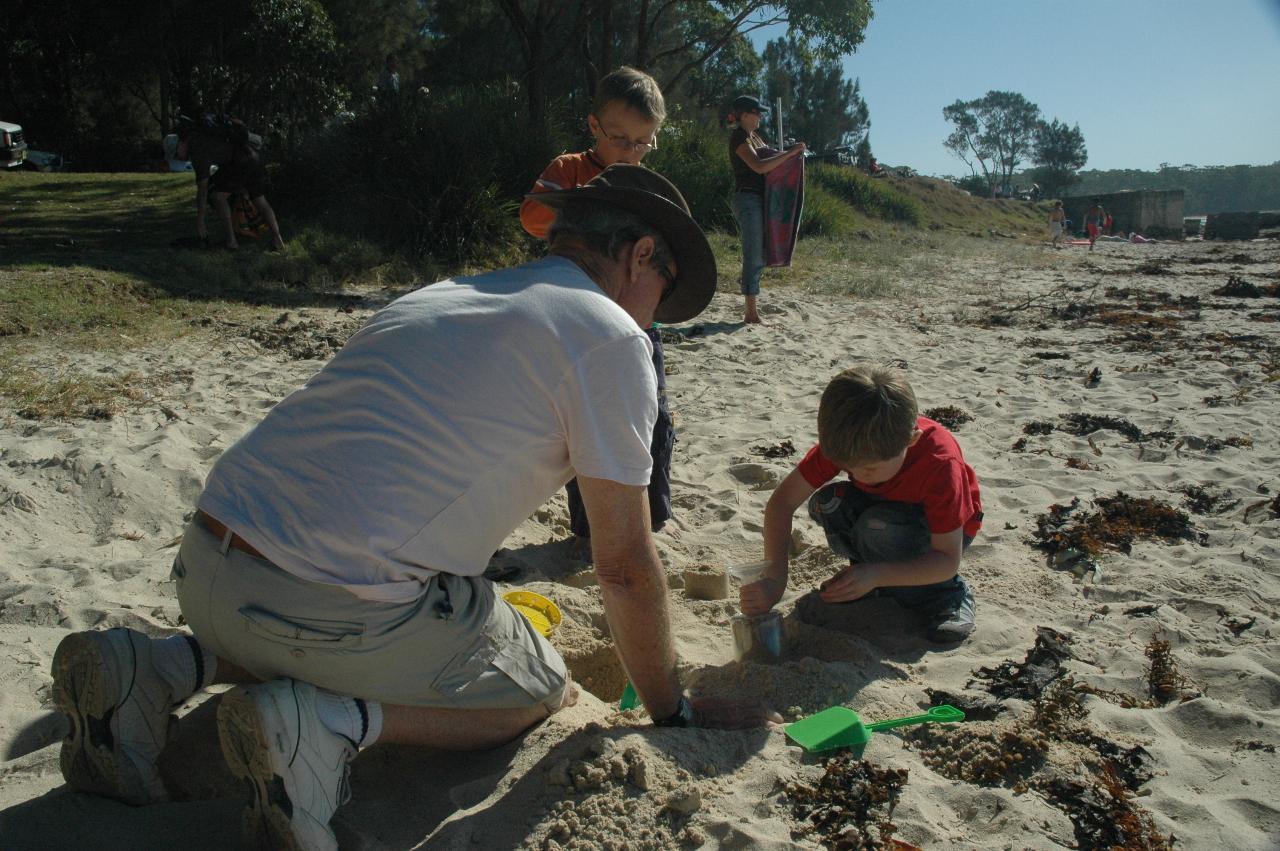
column 13, row 145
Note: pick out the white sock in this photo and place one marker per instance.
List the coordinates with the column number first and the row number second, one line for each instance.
column 342, row 714
column 184, row 664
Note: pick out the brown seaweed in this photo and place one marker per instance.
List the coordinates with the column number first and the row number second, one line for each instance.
column 849, row 807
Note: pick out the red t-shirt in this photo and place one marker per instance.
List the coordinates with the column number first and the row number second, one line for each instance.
column 933, row 475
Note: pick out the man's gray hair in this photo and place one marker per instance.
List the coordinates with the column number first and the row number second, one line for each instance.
column 606, row 229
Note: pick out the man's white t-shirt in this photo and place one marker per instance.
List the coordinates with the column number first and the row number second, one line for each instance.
column 439, row 427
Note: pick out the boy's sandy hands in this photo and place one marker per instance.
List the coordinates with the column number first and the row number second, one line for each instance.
column 726, row 714
column 854, row 582
column 760, row 596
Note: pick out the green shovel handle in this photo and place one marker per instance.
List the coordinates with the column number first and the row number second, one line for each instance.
column 942, row 714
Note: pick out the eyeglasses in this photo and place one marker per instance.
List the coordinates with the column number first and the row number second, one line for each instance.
column 620, row 141
column 671, row 283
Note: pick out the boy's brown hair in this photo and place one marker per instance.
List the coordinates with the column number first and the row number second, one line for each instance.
column 634, row 88
column 867, row 414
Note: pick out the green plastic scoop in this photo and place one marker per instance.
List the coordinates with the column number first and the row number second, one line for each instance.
column 630, row 700
column 840, row 727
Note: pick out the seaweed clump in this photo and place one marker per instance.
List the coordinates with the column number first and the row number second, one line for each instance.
column 1118, row 522
column 1029, row 678
column 1207, row 500
column 849, row 808
column 949, row 416
column 1164, row 680
column 1085, row 424
column 1104, row 814
column 1238, row 287
column 784, row 449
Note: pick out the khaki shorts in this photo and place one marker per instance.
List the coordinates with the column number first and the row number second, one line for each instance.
column 457, row 646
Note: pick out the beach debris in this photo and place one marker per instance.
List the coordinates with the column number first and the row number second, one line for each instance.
column 1273, row 504
column 1254, row 745
column 1019, row 445
column 1051, row 355
column 1154, row 299
column 1079, row 464
column 1238, row 624
column 850, row 806
column 1118, row 521
column 1238, row 287
column 1154, row 267
column 1213, row 444
column 306, row 339
column 1142, row 611
column 1164, row 681
column 1104, row 815
column 1206, row 499
column 1094, row 377
column 1027, row 679
column 785, row 449
column 1038, row 427
column 1081, row 425
column 949, row 416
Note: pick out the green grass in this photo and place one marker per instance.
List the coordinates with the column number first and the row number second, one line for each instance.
column 873, row 197
column 86, row 266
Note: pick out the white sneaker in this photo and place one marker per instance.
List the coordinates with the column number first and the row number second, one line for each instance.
column 296, row 767
column 118, row 706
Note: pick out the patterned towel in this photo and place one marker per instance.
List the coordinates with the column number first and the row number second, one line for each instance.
column 783, row 203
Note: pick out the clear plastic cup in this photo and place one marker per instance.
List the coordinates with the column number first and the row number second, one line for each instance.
column 757, row 638
column 747, row 573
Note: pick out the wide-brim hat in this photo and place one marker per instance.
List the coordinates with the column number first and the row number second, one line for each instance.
column 750, row 103
column 654, row 199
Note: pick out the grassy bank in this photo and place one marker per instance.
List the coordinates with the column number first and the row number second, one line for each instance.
column 88, row 266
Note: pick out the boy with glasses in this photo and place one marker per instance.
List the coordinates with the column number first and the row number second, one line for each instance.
column 624, row 120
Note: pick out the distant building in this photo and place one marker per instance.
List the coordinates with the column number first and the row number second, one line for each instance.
column 1155, row 213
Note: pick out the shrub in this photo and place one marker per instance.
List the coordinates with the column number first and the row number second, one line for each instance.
column 695, row 157
column 438, row 176
column 824, row 214
column 873, row 197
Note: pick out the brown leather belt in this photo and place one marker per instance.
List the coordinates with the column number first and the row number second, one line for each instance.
column 219, row 530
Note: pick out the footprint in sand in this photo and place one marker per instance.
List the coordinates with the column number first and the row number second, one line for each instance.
column 757, row 477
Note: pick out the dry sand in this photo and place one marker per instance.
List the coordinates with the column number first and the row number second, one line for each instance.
column 89, row 514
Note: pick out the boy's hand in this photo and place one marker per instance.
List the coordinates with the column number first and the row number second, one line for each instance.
column 760, row 596
column 852, row 583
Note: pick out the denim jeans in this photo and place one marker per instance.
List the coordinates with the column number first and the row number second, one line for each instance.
column 748, row 209
column 864, row 528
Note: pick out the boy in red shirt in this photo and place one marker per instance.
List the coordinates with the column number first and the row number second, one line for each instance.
column 909, row 509
column 624, row 121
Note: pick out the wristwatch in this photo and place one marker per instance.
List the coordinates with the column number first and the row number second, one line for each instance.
column 682, row 717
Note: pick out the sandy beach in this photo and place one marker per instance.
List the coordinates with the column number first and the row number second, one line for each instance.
column 1117, row 377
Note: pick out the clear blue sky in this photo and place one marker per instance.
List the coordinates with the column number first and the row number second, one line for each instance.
column 1148, row 81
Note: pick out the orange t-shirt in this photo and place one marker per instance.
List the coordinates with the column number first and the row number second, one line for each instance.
column 566, row 171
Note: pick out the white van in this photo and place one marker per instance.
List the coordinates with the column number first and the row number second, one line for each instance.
column 13, row 146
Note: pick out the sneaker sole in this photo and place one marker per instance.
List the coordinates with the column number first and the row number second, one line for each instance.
column 267, row 821
column 86, row 690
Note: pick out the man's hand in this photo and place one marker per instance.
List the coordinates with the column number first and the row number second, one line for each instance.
column 761, row 596
column 726, row 714
column 852, row 583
